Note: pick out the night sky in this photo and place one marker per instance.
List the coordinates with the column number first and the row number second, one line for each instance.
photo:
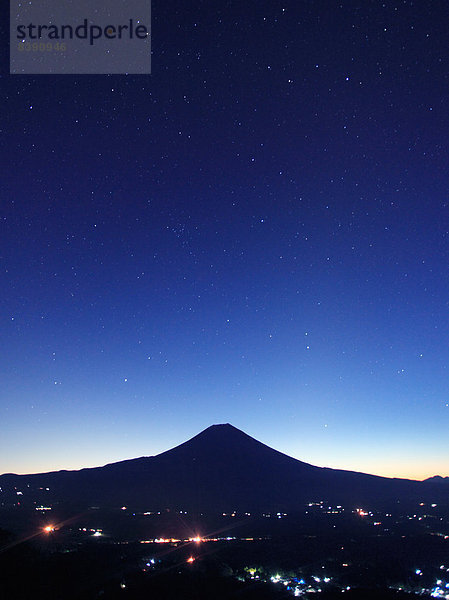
column 256, row 233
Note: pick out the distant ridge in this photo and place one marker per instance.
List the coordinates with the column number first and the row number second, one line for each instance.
column 220, row 469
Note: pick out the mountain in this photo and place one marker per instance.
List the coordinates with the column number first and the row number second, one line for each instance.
column 437, row 479
column 220, row 469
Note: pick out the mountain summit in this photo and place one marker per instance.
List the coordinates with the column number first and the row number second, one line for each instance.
column 224, row 444
column 220, row 469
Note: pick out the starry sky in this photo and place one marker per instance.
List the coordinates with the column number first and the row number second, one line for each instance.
column 256, row 233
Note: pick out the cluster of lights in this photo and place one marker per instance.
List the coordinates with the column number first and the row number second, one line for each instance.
column 253, row 574
column 441, row 590
column 296, row 584
column 95, row 532
column 197, row 539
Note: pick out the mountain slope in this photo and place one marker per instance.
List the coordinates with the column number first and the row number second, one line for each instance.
column 220, row 469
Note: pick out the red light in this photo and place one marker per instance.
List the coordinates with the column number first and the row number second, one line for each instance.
column 49, row 529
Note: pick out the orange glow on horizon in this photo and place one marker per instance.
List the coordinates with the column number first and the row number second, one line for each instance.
column 394, row 470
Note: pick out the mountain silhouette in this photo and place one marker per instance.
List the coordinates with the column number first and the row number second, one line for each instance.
column 220, row 469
